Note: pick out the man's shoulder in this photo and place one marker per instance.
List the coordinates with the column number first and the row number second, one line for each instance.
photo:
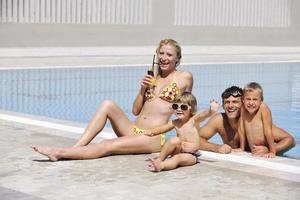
column 217, row 119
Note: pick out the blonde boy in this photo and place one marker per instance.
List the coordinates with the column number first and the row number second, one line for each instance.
column 256, row 121
column 184, row 148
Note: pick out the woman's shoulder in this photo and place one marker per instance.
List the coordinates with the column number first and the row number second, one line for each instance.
column 184, row 74
column 184, row 80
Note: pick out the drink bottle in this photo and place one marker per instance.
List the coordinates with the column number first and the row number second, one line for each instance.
column 151, row 70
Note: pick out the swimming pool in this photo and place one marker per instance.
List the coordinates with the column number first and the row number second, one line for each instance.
column 73, row 94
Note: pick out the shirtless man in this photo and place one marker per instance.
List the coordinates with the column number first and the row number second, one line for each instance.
column 226, row 125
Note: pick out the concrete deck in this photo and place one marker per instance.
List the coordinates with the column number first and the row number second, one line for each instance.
column 28, row 175
column 25, row 174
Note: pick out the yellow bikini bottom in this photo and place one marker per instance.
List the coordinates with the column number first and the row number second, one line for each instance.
column 138, row 130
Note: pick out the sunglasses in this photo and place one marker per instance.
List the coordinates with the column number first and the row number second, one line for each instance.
column 184, row 107
column 235, row 94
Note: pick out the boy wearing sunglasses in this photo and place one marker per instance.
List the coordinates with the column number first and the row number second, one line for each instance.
column 226, row 125
column 184, row 148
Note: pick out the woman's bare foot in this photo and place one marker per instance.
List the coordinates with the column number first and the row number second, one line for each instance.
column 155, row 165
column 51, row 152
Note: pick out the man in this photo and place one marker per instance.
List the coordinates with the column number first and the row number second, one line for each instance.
column 226, row 124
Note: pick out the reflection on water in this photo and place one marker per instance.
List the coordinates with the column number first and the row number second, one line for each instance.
column 75, row 93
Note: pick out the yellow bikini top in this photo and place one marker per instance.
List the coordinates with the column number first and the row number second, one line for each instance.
column 169, row 93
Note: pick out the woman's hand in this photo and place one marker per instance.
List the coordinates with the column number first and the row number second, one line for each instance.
column 147, row 81
column 139, row 100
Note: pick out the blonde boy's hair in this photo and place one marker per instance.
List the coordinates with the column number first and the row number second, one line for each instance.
column 188, row 98
column 250, row 87
column 172, row 43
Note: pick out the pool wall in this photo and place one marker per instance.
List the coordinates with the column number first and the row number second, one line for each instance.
column 73, row 94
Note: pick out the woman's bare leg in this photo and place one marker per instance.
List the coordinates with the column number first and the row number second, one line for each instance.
column 122, row 145
column 51, row 152
column 107, row 110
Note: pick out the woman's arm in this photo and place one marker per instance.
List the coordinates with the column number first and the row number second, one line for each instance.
column 139, row 100
column 189, row 81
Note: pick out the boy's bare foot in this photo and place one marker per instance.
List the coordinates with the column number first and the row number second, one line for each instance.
column 51, row 153
column 149, row 158
column 155, row 165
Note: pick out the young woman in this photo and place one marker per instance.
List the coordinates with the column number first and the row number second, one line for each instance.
column 152, row 107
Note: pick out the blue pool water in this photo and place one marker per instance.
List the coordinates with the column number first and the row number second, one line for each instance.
column 74, row 93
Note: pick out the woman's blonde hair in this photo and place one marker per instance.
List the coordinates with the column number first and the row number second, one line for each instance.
column 188, row 98
column 172, row 43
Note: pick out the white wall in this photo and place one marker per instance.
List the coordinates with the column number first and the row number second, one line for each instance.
column 144, row 22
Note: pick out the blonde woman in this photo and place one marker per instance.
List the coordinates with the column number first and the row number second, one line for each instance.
column 152, row 107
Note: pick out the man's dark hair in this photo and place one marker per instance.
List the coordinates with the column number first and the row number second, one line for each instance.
column 234, row 91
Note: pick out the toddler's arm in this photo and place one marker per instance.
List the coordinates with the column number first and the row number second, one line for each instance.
column 214, row 105
column 159, row 130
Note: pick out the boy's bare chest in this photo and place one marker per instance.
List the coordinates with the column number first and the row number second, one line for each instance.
column 185, row 127
column 253, row 125
column 254, row 130
column 187, row 130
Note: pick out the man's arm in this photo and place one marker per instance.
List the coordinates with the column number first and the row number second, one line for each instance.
column 242, row 135
column 283, row 142
column 208, row 131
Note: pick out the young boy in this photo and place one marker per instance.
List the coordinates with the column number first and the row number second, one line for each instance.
column 226, row 125
column 184, row 148
column 256, row 121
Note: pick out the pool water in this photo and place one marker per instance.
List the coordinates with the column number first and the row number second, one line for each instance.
column 74, row 93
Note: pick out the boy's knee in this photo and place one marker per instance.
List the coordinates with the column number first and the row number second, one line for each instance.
column 175, row 141
column 180, row 158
